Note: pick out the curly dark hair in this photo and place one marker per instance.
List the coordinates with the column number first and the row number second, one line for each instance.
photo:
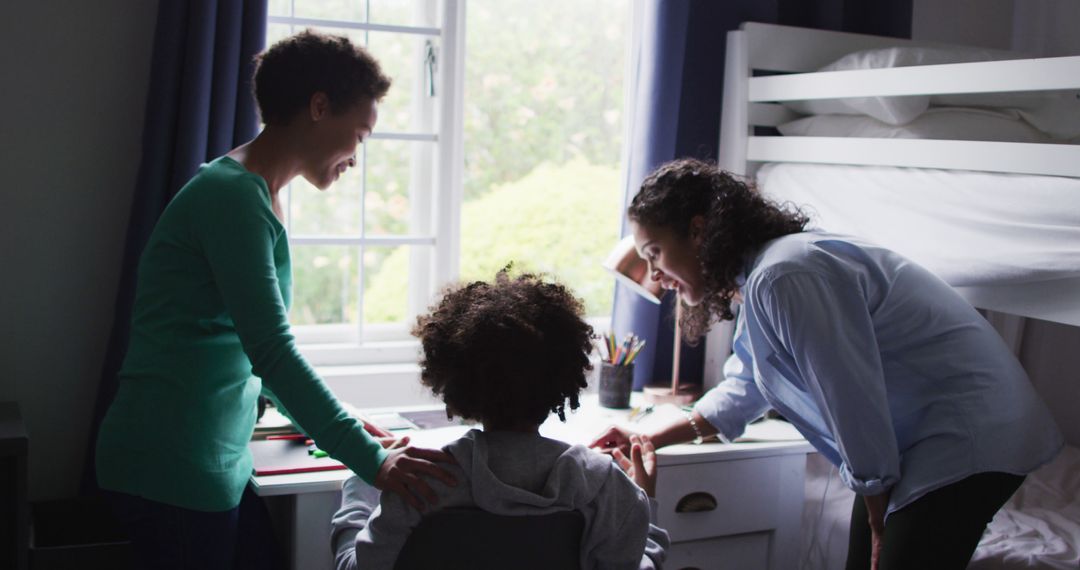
column 738, row 220
column 512, row 350
column 295, row 68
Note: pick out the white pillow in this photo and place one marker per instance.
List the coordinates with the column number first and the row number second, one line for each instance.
column 1056, row 113
column 936, row 123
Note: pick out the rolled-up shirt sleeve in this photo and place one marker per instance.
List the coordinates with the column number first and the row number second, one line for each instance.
column 820, row 330
column 735, row 401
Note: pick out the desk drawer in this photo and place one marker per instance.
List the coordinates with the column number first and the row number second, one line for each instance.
column 740, row 552
column 719, row 498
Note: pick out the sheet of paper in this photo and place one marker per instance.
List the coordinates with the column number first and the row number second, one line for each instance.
column 438, row 437
column 770, row 430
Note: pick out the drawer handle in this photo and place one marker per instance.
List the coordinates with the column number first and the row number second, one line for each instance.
column 698, row 502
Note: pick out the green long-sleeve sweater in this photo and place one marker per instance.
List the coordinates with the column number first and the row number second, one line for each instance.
column 210, row 321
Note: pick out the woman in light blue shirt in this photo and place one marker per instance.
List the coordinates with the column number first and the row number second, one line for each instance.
column 883, row 367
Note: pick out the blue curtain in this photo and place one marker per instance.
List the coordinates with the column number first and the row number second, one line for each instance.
column 198, row 107
column 677, row 94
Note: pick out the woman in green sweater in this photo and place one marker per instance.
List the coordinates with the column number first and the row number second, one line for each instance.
column 210, row 329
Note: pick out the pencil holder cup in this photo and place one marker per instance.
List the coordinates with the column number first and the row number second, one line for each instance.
column 615, row 384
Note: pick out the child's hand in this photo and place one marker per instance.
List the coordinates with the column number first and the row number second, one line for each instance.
column 641, row 466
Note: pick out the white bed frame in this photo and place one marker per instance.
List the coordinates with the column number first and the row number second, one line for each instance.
column 752, row 101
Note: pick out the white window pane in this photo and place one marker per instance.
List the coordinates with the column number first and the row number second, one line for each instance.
column 387, row 283
column 398, row 12
column 325, row 284
column 334, row 211
column 348, row 10
column 558, row 219
column 544, row 82
column 389, row 205
column 400, row 56
column 277, row 32
column 279, row 7
column 543, row 138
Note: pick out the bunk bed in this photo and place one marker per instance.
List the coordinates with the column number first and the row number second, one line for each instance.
column 964, row 160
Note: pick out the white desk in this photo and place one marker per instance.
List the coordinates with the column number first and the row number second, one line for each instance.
column 757, row 488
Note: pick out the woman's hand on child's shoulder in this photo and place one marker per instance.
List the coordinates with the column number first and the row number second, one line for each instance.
column 401, row 472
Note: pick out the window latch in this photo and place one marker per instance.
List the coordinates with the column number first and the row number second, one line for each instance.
column 431, row 64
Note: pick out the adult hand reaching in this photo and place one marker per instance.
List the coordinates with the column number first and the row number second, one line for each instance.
column 401, row 472
column 613, row 438
column 641, row 465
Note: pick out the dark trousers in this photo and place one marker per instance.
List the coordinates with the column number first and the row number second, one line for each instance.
column 167, row 537
column 938, row 531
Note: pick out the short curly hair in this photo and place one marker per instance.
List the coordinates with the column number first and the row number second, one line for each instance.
column 738, row 220
column 297, row 67
column 507, row 351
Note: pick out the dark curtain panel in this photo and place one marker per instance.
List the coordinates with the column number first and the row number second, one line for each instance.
column 198, row 107
column 677, row 96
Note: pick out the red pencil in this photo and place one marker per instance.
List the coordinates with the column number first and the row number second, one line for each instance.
column 288, row 470
column 291, row 437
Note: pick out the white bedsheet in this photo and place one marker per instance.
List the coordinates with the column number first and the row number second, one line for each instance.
column 970, row 228
column 1038, row 528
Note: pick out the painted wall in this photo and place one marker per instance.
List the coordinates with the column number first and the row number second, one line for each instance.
column 983, row 23
column 1040, row 27
column 1046, row 27
column 75, row 76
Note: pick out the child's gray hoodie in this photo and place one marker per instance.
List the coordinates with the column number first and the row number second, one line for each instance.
column 511, row 473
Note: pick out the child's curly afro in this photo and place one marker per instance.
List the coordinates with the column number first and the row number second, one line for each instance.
column 506, row 352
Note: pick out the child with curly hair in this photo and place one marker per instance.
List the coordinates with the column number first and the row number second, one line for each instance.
column 508, row 353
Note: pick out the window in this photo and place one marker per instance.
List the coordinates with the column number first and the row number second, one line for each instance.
column 544, row 102
column 500, row 141
column 392, row 219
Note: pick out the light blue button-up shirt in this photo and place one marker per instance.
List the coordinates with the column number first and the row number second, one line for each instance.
column 882, row 366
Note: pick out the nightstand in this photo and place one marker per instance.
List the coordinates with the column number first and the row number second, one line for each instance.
column 725, row 506
column 736, row 506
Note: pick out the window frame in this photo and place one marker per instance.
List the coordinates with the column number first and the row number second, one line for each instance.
column 439, row 209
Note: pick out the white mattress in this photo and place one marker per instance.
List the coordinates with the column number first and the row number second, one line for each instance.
column 1038, row 528
column 970, row 228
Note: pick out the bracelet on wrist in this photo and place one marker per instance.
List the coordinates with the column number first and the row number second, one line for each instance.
column 698, row 437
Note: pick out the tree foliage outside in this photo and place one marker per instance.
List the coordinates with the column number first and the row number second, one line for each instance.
column 514, row 223
column 543, row 137
column 544, row 83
